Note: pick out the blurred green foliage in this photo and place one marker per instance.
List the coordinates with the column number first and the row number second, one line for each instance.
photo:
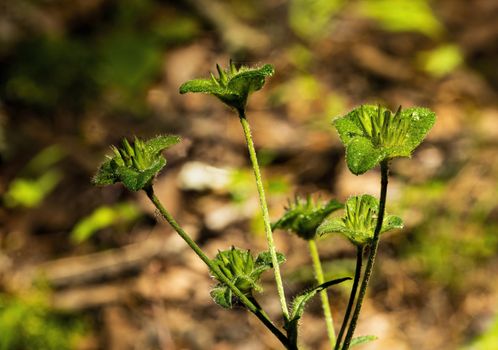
column 241, row 186
column 111, row 62
column 441, row 61
column 45, row 72
column 486, row 341
column 27, row 322
column 30, row 193
column 452, row 242
column 403, row 15
column 311, row 19
column 38, row 179
column 103, row 217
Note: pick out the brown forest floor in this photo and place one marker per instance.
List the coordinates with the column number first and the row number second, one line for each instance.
column 138, row 287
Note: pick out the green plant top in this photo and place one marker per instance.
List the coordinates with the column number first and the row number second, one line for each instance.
column 359, row 220
column 136, row 164
column 304, row 216
column 233, row 86
column 372, row 134
column 240, row 267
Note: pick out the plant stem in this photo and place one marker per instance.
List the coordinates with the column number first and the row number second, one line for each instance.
column 352, row 296
column 266, row 216
column 384, row 171
column 317, row 266
column 255, row 309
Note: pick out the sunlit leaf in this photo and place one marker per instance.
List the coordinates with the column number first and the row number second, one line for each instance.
column 372, row 134
column 362, row 340
column 303, row 216
column 222, row 296
column 441, row 61
column 240, row 267
column 403, row 15
column 299, row 304
column 135, row 164
column 103, row 217
column 359, row 221
column 233, row 86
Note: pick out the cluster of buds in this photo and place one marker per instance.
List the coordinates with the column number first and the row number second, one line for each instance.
column 303, row 216
column 136, row 164
column 233, row 86
column 240, row 267
column 359, row 221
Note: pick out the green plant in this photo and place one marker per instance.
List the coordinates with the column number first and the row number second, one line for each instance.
column 28, row 322
column 372, row 135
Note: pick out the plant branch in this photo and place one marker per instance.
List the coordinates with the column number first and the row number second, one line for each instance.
column 317, row 266
column 352, row 296
column 255, row 309
column 266, row 216
column 384, row 170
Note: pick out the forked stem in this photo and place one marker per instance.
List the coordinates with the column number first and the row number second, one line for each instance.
column 384, row 171
column 317, row 267
column 254, row 308
column 352, row 296
column 266, row 216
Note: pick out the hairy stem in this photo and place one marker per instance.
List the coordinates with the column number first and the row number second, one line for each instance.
column 266, row 216
column 255, row 309
column 317, row 266
column 384, row 170
column 352, row 296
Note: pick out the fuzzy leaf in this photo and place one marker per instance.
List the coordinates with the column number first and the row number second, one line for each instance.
column 135, row 166
column 105, row 175
column 362, row 156
column 359, row 221
column 135, row 180
column 233, row 86
column 372, row 134
column 300, row 301
column 162, row 142
column 362, row 340
column 304, row 216
column 239, row 266
column 222, row 296
column 421, row 122
column 391, row 222
column 332, row 225
column 264, row 259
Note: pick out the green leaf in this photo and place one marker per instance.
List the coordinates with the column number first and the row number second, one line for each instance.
column 442, row 60
column 233, row 86
column 103, row 217
column 300, row 301
column 391, row 222
column 361, row 155
column 359, row 221
column 222, row 296
column 264, row 259
column 136, row 164
column 362, row 340
column 372, row 134
column 304, row 216
column 391, row 15
column 421, row 121
column 161, row 142
column 239, row 266
column 336, row 225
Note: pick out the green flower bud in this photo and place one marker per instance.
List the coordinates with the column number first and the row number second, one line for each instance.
column 372, row 134
column 135, row 165
column 304, row 216
column 240, row 267
column 359, row 221
column 233, row 86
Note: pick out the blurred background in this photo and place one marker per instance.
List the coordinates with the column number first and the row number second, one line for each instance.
column 90, row 268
